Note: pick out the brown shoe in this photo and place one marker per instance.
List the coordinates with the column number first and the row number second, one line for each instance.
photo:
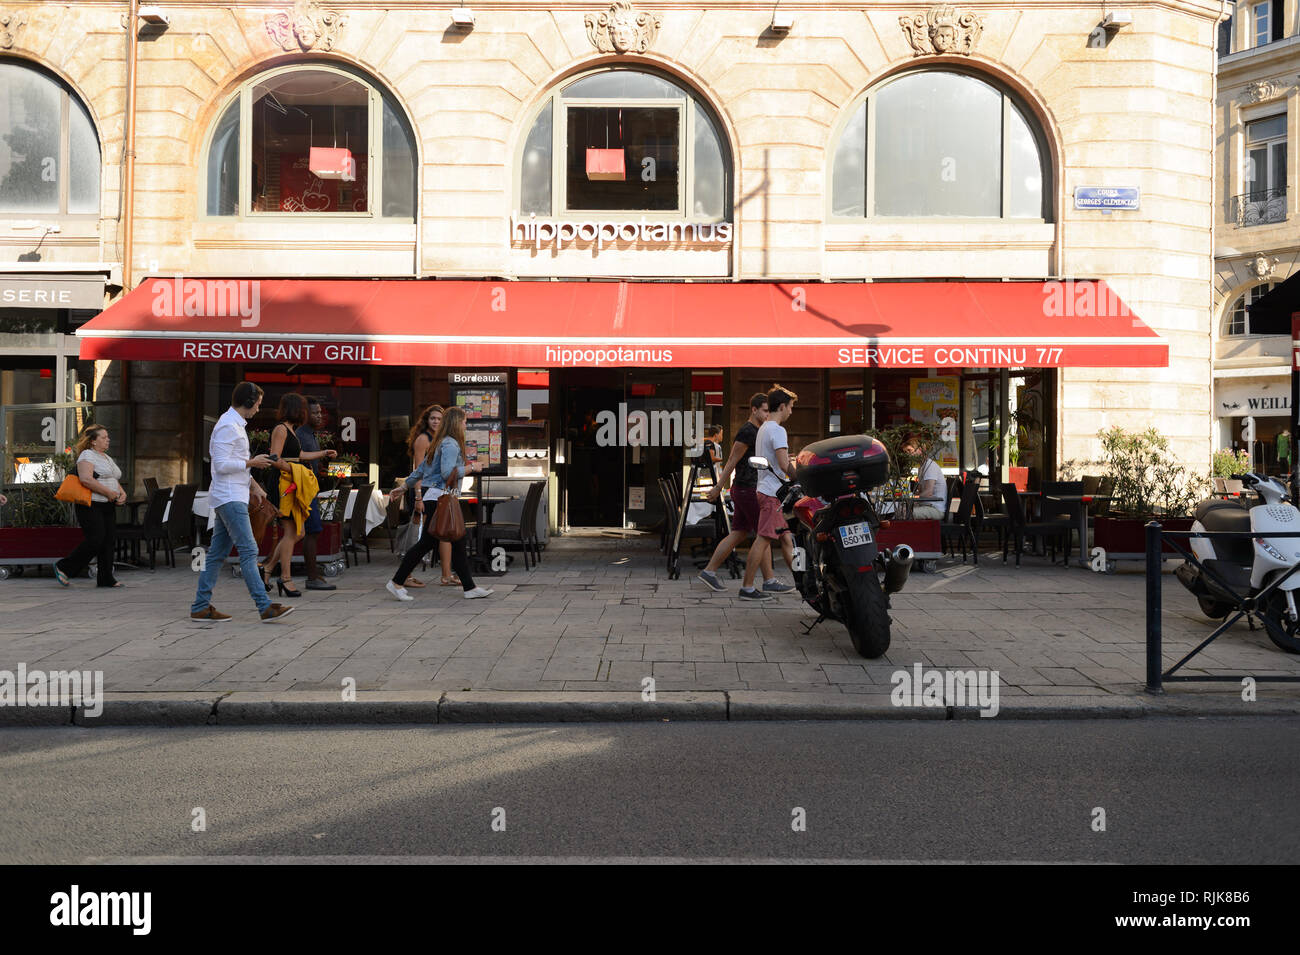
column 211, row 614
column 275, row 612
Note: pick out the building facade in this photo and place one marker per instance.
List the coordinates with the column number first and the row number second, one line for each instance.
column 691, row 143
column 1257, row 230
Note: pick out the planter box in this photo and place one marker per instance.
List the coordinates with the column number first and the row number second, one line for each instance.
column 35, row 545
column 1128, row 535
column 328, row 544
column 1019, row 477
column 922, row 536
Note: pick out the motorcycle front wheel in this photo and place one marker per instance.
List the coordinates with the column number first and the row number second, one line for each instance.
column 1284, row 632
column 867, row 615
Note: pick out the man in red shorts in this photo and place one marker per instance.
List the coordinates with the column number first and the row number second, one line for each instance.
column 773, row 445
column 744, row 495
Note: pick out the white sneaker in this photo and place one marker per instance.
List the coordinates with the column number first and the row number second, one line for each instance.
column 478, row 592
column 398, row 592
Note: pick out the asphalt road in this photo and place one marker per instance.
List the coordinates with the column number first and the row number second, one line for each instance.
column 1173, row 791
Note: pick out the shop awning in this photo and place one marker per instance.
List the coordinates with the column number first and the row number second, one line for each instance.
column 626, row 324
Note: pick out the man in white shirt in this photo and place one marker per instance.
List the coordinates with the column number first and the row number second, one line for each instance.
column 232, row 483
column 930, row 483
column 772, row 444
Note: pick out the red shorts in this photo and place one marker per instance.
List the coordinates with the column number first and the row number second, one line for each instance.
column 771, row 522
column 746, row 517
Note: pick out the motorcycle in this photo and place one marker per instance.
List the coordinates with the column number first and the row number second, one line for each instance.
column 844, row 575
column 1239, row 568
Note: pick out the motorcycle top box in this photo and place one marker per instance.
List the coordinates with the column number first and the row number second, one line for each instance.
column 846, row 464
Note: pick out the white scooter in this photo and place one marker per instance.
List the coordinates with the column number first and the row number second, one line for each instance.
column 1245, row 567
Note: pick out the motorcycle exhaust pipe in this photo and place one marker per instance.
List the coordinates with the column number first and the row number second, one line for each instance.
column 898, row 564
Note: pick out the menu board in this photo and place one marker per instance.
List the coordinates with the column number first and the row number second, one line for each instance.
column 484, row 397
column 934, row 401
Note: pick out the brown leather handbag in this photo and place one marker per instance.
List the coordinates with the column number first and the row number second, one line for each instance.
column 448, row 521
column 261, row 513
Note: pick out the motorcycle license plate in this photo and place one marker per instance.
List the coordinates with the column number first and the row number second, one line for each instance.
column 854, row 535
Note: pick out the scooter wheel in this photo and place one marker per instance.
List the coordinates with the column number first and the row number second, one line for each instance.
column 1214, row 609
column 1284, row 633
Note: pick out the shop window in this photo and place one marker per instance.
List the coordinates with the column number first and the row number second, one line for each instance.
column 1238, row 319
column 49, row 151
column 940, row 144
column 625, row 141
column 532, row 393
column 311, row 141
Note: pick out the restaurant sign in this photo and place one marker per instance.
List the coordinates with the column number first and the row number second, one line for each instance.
column 1270, row 398
column 555, row 234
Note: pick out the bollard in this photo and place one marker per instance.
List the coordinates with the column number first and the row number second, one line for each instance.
column 1153, row 608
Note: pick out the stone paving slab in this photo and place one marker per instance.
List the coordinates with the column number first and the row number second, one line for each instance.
column 599, row 617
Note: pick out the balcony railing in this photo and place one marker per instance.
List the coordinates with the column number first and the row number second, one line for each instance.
column 1259, row 208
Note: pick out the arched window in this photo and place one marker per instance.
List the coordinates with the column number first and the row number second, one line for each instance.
column 623, row 140
column 935, row 143
column 311, row 140
column 1237, row 321
column 49, row 153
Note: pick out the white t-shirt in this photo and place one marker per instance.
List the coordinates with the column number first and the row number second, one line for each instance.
column 929, row 471
column 770, row 437
column 109, row 473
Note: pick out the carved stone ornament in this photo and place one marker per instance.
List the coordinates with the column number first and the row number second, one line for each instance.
column 307, row 28
column 1262, row 90
column 10, row 24
column 1261, row 267
column 620, row 29
column 942, row 30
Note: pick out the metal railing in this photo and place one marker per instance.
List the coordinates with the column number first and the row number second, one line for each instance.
column 1259, row 208
column 1247, row 605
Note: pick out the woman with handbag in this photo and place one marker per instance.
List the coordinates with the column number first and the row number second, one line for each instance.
column 417, row 446
column 286, row 449
column 439, row 473
column 98, row 474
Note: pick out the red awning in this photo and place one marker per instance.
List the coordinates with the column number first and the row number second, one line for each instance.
column 626, row 324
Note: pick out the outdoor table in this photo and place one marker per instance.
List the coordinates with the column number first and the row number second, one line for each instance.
column 1079, row 500
column 484, row 505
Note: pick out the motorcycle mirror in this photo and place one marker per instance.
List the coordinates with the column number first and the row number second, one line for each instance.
column 760, row 463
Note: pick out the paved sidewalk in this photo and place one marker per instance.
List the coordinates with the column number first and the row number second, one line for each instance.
column 599, row 616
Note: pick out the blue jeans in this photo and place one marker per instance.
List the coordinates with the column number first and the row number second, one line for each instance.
column 232, row 528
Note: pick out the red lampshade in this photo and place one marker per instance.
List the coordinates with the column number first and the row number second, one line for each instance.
column 605, row 164
column 328, row 163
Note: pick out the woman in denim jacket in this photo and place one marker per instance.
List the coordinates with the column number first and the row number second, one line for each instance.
column 446, row 454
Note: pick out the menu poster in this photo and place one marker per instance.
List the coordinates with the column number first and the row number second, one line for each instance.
column 480, row 403
column 934, row 401
column 302, row 191
column 483, row 397
column 484, row 444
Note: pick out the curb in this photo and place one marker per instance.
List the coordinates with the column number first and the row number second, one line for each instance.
column 306, row 708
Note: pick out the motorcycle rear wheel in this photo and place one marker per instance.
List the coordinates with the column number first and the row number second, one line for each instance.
column 1214, row 609
column 867, row 616
column 1284, row 633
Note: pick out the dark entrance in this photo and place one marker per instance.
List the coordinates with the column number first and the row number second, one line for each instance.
column 593, row 474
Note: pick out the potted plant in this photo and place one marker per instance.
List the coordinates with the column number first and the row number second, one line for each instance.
column 923, row 536
column 1226, row 463
column 1148, row 484
column 35, row 527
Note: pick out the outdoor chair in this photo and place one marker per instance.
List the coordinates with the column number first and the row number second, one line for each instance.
column 393, row 522
column 150, row 485
column 354, row 527
column 1091, row 484
column 180, row 520
column 994, row 521
column 1101, row 506
column 150, row 530
column 525, row 532
column 960, row 527
column 1048, row 532
column 1061, row 510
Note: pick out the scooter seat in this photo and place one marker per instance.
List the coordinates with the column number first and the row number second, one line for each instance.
column 1227, row 516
